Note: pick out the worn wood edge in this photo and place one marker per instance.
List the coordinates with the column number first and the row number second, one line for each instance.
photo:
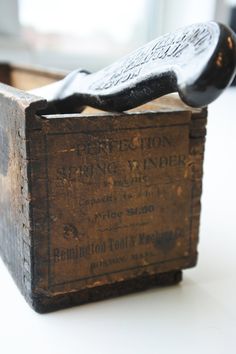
column 45, row 304
column 23, row 98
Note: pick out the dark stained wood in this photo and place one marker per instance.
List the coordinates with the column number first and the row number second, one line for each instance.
column 5, row 73
column 97, row 204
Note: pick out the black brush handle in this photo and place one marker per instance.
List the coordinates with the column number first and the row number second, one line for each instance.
column 198, row 62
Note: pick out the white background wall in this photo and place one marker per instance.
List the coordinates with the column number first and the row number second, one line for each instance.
column 156, row 17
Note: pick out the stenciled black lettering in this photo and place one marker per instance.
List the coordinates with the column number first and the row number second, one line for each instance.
column 165, row 48
column 109, row 146
column 75, row 173
column 159, row 162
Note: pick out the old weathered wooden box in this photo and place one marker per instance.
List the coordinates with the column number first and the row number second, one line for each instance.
column 96, row 204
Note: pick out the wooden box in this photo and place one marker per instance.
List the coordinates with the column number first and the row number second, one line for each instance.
column 96, row 204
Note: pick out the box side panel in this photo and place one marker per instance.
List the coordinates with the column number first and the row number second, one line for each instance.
column 14, row 222
column 114, row 198
column 197, row 139
column 15, row 243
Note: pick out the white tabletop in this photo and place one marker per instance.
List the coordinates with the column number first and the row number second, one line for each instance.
column 198, row 316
